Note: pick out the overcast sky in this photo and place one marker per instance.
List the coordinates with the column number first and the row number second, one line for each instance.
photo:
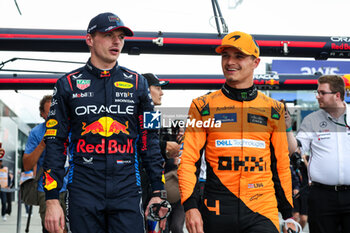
column 278, row 17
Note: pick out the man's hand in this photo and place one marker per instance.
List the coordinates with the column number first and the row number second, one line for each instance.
column 295, row 191
column 162, row 211
column 180, row 137
column 194, row 222
column 42, row 144
column 288, row 120
column 54, row 216
column 177, row 161
column 172, row 149
column 289, row 225
column 292, row 224
column 31, row 159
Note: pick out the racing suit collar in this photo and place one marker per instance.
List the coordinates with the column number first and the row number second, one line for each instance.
column 240, row 94
column 98, row 72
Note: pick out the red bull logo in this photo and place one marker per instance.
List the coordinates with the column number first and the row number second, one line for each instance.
column 105, row 73
column 113, row 147
column 267, row 80
column 50, row 183
column 116, row 127
column 272, row 82
column 105, row 126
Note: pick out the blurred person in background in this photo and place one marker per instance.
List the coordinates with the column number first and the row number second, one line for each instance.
column 170, row 148
column 34, row 155
column 2, row 151
column 4, row 184
column 25, row 175
column 9, row 194
column 325, row 134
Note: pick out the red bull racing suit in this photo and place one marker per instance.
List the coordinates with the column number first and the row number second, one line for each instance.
column 248, row 173
column 102, row 114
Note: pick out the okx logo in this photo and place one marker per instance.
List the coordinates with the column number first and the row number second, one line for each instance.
column 151, row 120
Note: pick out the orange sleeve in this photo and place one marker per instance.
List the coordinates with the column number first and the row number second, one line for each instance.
column 194, row 141
column 281, row 169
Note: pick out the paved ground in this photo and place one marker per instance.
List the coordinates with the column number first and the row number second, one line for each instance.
column 11, row 226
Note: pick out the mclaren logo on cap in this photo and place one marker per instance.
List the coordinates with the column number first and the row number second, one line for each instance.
column 236, row 37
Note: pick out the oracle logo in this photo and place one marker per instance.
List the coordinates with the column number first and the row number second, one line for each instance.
column 340, row 39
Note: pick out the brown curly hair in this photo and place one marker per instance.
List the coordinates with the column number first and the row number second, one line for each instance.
column 43, row 101
column 336, row 84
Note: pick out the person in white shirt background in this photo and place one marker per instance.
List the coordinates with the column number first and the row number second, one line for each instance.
column 326, row 135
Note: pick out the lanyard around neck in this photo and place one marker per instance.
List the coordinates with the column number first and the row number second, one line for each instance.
column 344, row 125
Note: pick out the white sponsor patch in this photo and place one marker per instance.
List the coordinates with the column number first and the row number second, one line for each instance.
column 323, row 135
column 240, row 143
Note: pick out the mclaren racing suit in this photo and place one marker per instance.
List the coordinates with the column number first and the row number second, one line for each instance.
column 102, row 114
column 248, row 173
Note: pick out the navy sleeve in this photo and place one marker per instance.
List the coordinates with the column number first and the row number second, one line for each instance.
column 149, row 141
column 56, row 140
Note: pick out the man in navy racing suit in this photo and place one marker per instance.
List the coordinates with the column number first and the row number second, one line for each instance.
column 100, row 107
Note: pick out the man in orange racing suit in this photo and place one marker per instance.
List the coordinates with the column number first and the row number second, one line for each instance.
column 246, row 151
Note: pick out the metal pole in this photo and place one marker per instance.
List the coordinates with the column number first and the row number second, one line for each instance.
column 15, row 175
column 216, row 17
column 223, row 23
column 19, row 212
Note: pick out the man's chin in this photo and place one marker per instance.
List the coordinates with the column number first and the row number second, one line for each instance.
column 230, row 77
column 231, row 81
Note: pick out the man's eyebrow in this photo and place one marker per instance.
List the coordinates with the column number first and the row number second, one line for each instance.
column 241, row 53
column 236, row 53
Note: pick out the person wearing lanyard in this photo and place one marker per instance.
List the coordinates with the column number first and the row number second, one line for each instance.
column 326, row 134
column 4, row 183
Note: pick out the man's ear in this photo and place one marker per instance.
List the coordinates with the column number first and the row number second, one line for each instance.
column 89, row 40
column 257, row 61
column 337, row 95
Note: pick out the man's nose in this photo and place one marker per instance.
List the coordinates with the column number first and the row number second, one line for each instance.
column 232, row 60
column 116, row 40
